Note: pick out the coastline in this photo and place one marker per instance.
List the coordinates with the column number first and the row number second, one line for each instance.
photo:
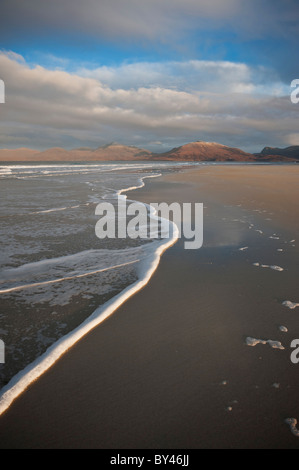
column 164, row 371
column 23, row 379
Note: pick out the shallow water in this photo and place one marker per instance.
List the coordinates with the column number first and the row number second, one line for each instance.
column 54, row 271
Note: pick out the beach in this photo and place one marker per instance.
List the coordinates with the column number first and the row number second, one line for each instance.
column 179, row 365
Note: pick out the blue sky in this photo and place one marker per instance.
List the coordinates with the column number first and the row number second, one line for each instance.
column 151, row 73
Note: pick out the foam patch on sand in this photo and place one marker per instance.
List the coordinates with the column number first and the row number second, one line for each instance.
column 289, row 304
column 292, row 422
column 275, row 268
column 283, row 329
column 254, row 342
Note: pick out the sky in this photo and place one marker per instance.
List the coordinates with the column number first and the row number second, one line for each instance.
column 151, row 73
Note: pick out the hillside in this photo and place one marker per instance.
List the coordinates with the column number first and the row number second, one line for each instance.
column 205, row 151
column 278, row 154
column 194, row 151
column 109, row 152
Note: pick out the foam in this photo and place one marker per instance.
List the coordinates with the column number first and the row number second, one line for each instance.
column 57, row 209
column 283, row 329
column 67, row 278
column 277, row 268
column 4, row 171
column 292, row 422
column 20, row 382
column 254, row 342
column 142, row 184
column 244, row 248
column 274, row 267
column 289, row 304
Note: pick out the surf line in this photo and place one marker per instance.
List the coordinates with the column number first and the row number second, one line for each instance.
column 21, row 381
column 68, row 278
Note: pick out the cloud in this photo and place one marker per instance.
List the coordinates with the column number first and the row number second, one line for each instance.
column 114, row 18
column 292, row 139
column 260, row 31
column 191, row 75
column 150, row 19
column 225, row 102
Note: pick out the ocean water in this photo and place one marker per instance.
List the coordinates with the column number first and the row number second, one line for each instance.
column 57, row 279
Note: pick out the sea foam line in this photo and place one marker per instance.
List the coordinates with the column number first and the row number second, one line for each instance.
column 254, row 341
column 21, row 381
column 68, row 278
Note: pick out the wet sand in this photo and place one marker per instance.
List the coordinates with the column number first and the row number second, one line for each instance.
column 171, row 368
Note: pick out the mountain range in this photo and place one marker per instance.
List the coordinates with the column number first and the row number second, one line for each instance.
column 194, row 151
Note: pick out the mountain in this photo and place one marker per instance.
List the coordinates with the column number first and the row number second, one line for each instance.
column 194, row 151
column 205, row 151
column 278, row 154
column 17, row 155
column 116, row 151
column 109, row 152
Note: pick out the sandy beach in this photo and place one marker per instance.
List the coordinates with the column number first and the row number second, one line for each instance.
column 171, row 368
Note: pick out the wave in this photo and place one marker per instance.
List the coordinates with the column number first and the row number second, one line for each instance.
column 21, row 381
column 67, row 278
column 26, row 171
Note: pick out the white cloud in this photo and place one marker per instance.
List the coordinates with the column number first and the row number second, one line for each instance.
column 142, row 103
column 292, row 139
column 190, row 75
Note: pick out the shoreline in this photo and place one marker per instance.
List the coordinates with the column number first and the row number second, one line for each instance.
column 24, row 378
column 172, row 368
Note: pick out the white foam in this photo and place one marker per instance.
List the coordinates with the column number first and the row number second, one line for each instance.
column 67, row 278
column 289, row 304
column 283, row 329
column 292, row 422
column 254, row 342
column 24, row 378
column 142, row 184
column 277, row 268
column 274, row 267
column 244, row 248
column 4, row 171
column 57, row 209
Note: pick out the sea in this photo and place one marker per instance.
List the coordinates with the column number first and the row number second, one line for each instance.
column 58, row 280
